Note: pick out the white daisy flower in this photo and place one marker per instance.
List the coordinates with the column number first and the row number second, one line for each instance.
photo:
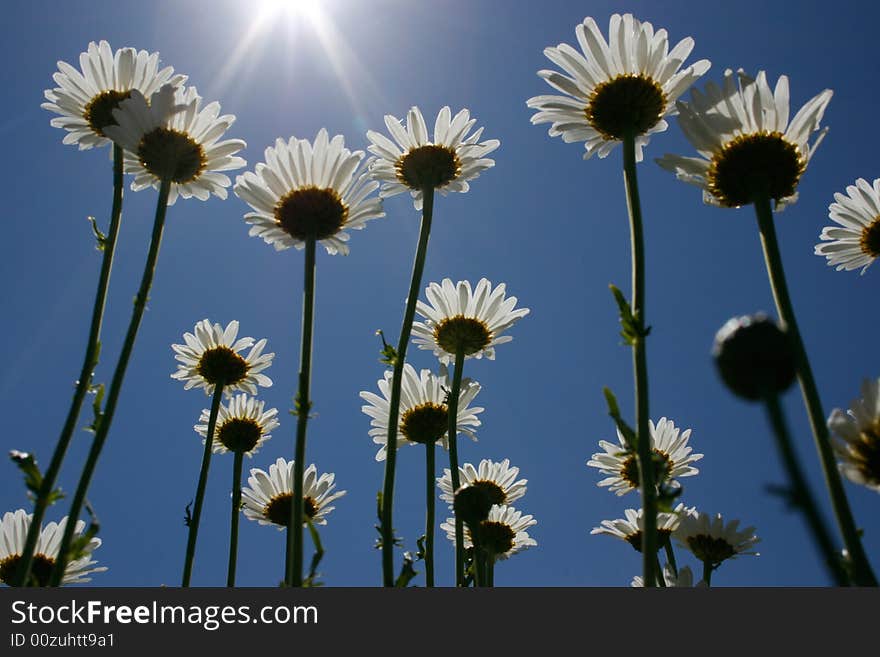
column 268, row 500
column 498, row 480
column 458, row 317
column 673, row 458
column 13, row 531
column 173, row 137
column 684, row 579
column 412, row 162
column 630, row 529
column 855, row 241
column 307, row 189
column 710, row 539
column 86, row 99
column 210, row 356
column 502, row 534
column 748, row 147
column 423, row 413
column 857, row 437
column 242, row 426
column 629, row 83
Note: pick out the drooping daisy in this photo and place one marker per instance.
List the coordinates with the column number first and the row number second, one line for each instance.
column 749, row 149
column 172, row 137
column 857, row 437
column 684, row 579
column 502, row 534
column 210, row 356
column 242, row 426
column 458, row 317
column 630, row 529
column 308, row 189
column 855, row 241
column 498, row 480
column 710, row 539
column 413, row 162
column 14, row 529
column 629, row 83
column 673, row 458
column 268, row 500
column 86, row 99
column 423, row 411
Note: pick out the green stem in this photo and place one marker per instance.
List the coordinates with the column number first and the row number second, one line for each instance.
column 490, row 570
column 861, row 569
column 670, row 557
column 452, row 433
column 236, row 513
column 707, row 573
column 196, row 517
column 396, row 382
column 661, row 576
column 294, row 560
column 640, row 363
column 103, row 423
column 430, row 472
column 90, row 361
column 478, row 562
column 800, row 492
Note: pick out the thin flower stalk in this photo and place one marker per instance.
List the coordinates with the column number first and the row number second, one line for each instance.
column 861, row 568
column 102, row 423
column 236, row 514
column 452, row 414
column 83, row 384
column 430, row 506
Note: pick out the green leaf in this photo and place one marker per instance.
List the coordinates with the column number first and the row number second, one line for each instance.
column 98, row 391
column 79, row 545
column 629, row 327
column 100, row 237
column 388, row 353
column 629, row 436
column 187, row 514
column 407, row 572
column 33, row 478
column 422, row 551
column 312, row 579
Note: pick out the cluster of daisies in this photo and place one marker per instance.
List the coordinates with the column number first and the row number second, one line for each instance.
column 708, row 538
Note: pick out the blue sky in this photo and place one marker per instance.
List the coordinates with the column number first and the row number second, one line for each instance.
column 550, row 225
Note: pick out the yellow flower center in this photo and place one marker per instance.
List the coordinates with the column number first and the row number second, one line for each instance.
column 279, row 507
column 870, row 241
column 239, row 434
column 425, row 423
column 865, row 453
column 466, row 333
column 496, row 537
column 98, row 112
column 629, row 470
column 711, row 549
column 222, row 365
column 311, row 212
column 41, row 569
column 758, row 165
column 171, row 155
column 635, row 539
column 626, row 103
column 428, row 166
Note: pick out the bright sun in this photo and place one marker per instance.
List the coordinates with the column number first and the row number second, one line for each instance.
column 268, row 10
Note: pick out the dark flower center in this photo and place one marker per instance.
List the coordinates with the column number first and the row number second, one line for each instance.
column 311, row 212
column 460, row 332
column 99, row 110
column 629, row 102
column 866, row 453
column 711, row 549
column 240, row 434
column 425, row 423
column 491, row 490
column 629, row 471
column 171, row 155
column 496, row 537
column 41, row 569
column 870, row 241
column 279, row 507
column 759, row 165
column 635, row 539
column 428, row 166
column 221, row 365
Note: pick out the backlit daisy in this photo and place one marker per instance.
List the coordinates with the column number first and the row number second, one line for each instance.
column 748, row 147
column 684, row 579
column 673, row 458
column 242, row 426
column 458, row 317
column 413, row 162
column 710, row 539
column 855, row 241
column 502, row 534
column 423, row 417
column 268, row 500
column 172, row 137
column 629, row 83
column 498, row 480
column 210, row 356
column 308, row 189
column 857, row 437
column 85, row 99
column 13, row 530
column 630, row 529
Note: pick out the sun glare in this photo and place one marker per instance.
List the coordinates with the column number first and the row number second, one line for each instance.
column 273, row 10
